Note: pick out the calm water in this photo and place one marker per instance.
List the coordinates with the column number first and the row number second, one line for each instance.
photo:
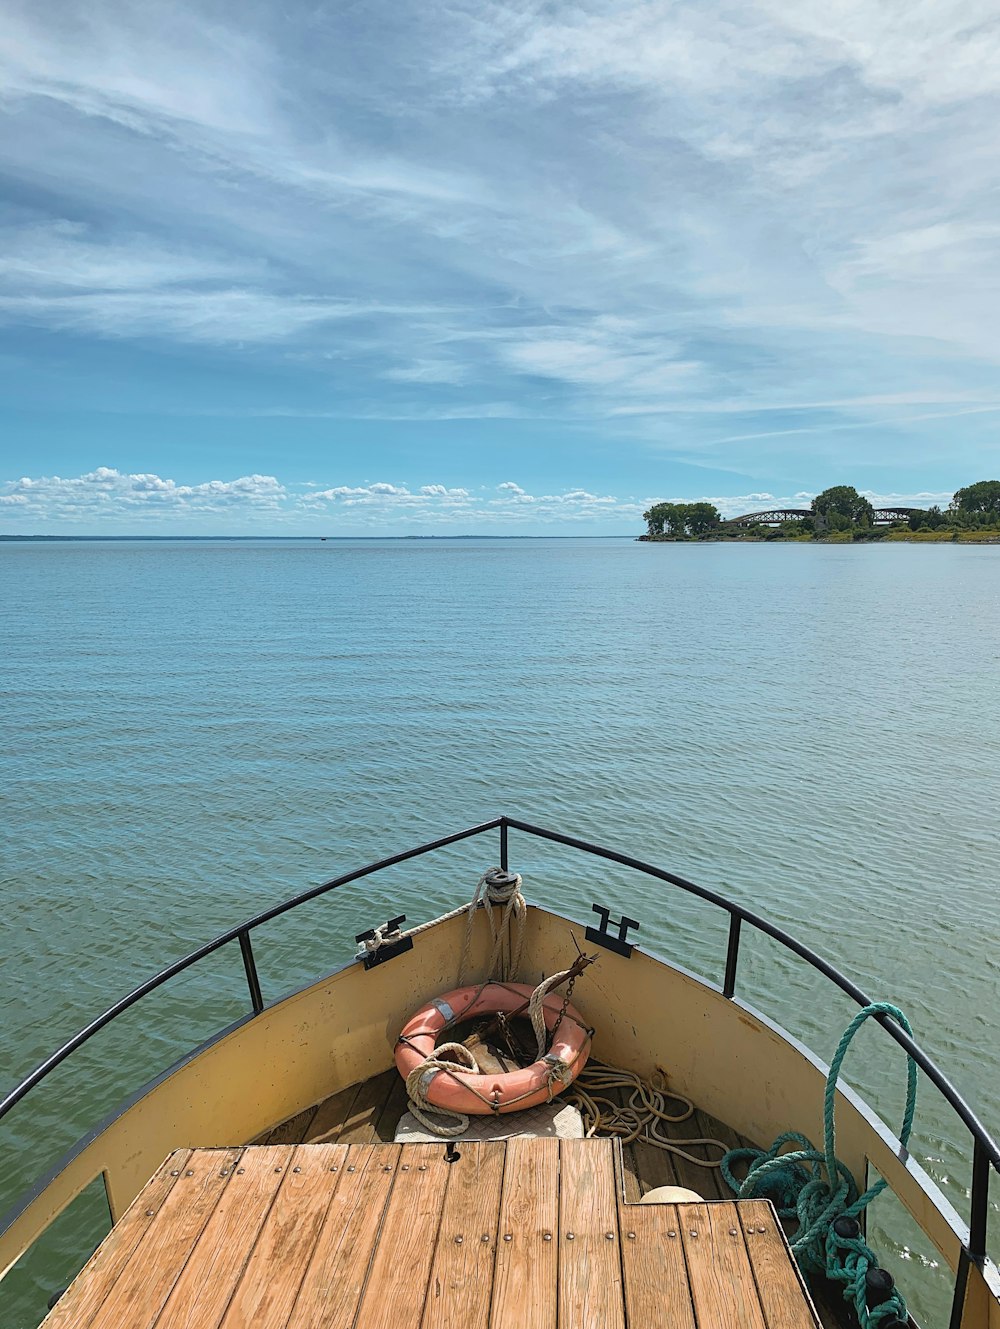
column 192, row 731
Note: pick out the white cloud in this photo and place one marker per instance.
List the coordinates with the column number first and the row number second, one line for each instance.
column 110, row 495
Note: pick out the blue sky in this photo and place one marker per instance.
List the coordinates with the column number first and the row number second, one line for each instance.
column 407, row 267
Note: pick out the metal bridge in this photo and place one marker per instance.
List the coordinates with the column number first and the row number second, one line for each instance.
column 775, row 516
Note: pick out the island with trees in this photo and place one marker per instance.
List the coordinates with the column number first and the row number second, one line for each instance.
column 838, row 515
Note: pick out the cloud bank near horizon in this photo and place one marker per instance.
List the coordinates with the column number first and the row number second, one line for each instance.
column 106, row 501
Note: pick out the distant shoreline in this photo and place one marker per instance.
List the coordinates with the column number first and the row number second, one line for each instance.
column 841, row 538
column 317, row 539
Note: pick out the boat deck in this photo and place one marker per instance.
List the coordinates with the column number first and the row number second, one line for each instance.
column 351, row 1236
column 369, row 1112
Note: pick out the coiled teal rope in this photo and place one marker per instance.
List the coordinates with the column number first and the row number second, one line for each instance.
column 817, row 1189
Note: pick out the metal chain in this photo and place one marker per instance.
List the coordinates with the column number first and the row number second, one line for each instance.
column 559, row 1019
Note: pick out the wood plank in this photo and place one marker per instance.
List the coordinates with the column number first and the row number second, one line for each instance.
column 590, row 1275
column 656, row 1279
column 205, row 1286
column 331, row 1114
column 699, row 1179
column 395, row 1105
column 527, row 1265
column 655, row 1167
column 86, row 1294
column 294, row 1130
column 147, row 1279
column 359, row 1126
column 460, row 1286
column 782, row 1293
column 723, row 1287
column 406, row 1246
column 335, row 1279
column 273, row 1275
column 712, row 1128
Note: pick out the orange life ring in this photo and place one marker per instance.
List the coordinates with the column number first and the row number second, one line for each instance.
column 462, row 1091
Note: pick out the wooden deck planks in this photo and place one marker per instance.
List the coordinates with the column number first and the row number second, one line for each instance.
column 590, row 1282
column 338, row 1268
column 723, row 1288
column 145, row 1283
column 460, row 1287
column 779, row 1287
column 77, row 1306
column 525, row 1280
column 656, row 1277
column 397, row 1282
column 361, row 1236
column 202, row 1292
column 273, row 1274
column 368, row 1108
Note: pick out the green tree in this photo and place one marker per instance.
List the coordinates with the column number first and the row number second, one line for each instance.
column 654, row 519
column 842, row 501
column 700, row 518
column 979, row 502
column 679, row 519
column 930, row 519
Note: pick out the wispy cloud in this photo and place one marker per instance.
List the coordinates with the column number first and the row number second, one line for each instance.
column 621, row 217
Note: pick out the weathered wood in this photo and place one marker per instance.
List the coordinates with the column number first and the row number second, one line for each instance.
column 147, row 1279
column 527, row 1263
column 395, row 1105
column 782, row 1293
column 335, row 1278
column 711, row 1128
column 460, row 1286
column 722, row 1283
column 331, row 1114
column 292, row 1131
column 406, row 1244
column 273, row 1274
column 530, row 1232
column 656, row 1279
column 367, row 1108
column 81, row 1301
column 215, row 1265
column 590, row 1282
column 699, row 1179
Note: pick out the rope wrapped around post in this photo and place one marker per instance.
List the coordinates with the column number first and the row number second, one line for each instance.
column 815, row 1187
column 497, row 889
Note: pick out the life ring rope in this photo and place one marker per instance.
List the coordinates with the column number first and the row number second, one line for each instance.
column 436, row 1084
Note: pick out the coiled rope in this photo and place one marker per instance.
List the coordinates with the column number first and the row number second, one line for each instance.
column 815, row 1187
column 640, row 1116
column 419, row 1081
column 497, row 889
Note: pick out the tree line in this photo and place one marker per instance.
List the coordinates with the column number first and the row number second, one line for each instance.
column 838, row 509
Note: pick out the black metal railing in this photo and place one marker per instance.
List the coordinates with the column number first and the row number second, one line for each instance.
column 986, row 1153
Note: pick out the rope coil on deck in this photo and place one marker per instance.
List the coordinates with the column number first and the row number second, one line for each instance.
column 639, row 1117
column 815, row 1187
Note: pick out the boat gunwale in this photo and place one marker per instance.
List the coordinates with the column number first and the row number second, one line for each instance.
column 986, row 1153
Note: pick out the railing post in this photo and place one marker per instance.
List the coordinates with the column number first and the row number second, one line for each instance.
column 253, row 982
column 980, row 1204
column 503, row 844
column 732, row 956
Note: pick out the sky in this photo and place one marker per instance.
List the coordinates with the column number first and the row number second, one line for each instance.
column 399, row 267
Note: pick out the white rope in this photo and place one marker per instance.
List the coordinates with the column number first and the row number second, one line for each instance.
column 640, row 1116
column 536, row 1010
column 419, row 1081
column 383, row 938
column 493, row 894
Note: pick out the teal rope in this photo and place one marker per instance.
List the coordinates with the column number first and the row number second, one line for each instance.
column 817, row 1189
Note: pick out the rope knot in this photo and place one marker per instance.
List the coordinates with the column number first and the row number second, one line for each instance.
column 498, row 889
